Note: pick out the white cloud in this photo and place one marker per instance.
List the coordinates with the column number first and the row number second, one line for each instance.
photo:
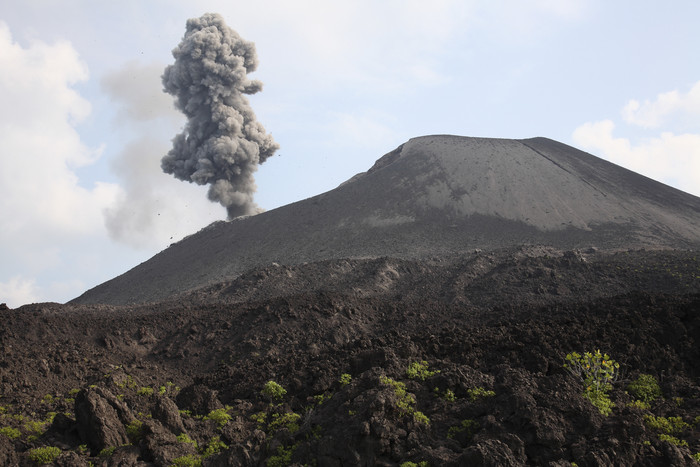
column 673, row 159
column 666, row 106
column 18, row 291
column 39, row 145
column 44, row 207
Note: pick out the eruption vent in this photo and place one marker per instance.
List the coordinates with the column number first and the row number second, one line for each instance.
column 222, row 143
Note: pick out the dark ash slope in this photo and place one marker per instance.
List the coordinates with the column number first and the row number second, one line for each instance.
column 434, row 196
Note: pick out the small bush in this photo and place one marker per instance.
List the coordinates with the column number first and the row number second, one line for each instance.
column 44, row 455
column 597, row 371
column 214, row 446
column 145, row 391
column 289, row 420
column 220, row 416
column 469, row 426
column 273, row 390
column 106, row 453
column 673, row 440
column 670, row 425
column 637, row 404
column 184, row 438
column 283, row 457
column 12, row 433
column 645, row 388
column 419, row 370
column 190, row 460
column 345, row 379
column 134, row 431
column 405, row 400
column 477, row 393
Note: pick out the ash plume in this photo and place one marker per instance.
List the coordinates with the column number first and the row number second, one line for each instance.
column 222, row 143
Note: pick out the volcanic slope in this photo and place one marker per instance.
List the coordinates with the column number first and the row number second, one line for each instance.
column 434, row 196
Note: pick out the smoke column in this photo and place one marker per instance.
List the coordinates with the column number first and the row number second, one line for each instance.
column 222, row 142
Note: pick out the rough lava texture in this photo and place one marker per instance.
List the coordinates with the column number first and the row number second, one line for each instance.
column 305, row 362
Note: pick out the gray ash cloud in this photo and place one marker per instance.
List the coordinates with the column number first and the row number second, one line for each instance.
column 222, row 143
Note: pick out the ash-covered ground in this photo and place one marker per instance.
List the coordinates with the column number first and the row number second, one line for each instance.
column 186, row 381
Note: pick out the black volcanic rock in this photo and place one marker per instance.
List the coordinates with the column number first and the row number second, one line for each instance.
column 434, row 196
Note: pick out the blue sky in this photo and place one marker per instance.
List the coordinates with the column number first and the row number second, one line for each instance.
column 84, row 121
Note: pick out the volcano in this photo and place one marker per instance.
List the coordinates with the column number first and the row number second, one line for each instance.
column 451, row 306
column 434, row 196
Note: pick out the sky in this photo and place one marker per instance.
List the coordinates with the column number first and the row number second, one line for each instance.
column 84, row 121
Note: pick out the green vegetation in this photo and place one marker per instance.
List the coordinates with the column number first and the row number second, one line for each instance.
column 184, row 438
column 469, row 426
column 273, row 391
column 190, row 460
column 282, row 458
column 345, row 379
column 645, row 388
column 597, row 371
column 405, row 400
column 145, row 391
column 288, row 420
column 413, row 464
column 477, row 393
column 220, row 416
column 44, row 455
column 419, row 370
column 214, row 446
column 673, row 440
column 637, row 404
column 134, row 431
column 12, row 433
column 106, row 453
column 670, row 425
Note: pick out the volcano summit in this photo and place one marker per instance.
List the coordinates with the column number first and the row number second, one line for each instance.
column 434, row 196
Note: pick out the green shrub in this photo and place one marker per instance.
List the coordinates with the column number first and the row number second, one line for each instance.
column 696, row 456
column 134, row 431
column 597, row 371
column 145, row 391
column 44, row 455
column 220, row 416
column 477, row 393
column 345, row 379
column 184, row 438
column 273, row 390
column 673, row 440
column 637, row 404
column 288, row 420
column 670, row 425
column 469, row 426
column 449, row 395
column 419, row 370
column 190, row 460
column 405, row 400
column 214, row 446
column 283, row 457
column 12, row 433
column 107, row 452
column 413, row 464
column 645, row 388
